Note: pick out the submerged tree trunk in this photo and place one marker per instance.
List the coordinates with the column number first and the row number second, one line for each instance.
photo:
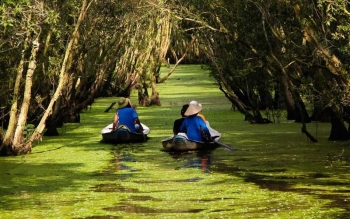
column 236, row 101
column 338, row 130
column 301, row 114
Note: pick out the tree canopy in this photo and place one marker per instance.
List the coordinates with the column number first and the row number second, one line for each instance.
column 56, row 57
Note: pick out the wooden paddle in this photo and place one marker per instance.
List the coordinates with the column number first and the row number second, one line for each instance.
column 225, row 146
column 204, row 136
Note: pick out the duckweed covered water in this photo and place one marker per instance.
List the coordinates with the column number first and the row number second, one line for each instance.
column 275, row 173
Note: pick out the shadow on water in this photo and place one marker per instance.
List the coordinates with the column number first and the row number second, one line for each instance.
column 271, row 180
column 100, row 217
column 339, row 198
column 132, row 208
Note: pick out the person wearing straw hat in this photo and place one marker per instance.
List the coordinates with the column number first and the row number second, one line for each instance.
column 200, row 114
column 127, row 116
column 194, row 126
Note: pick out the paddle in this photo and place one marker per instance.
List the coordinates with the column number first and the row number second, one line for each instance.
column 225, row 146
column 212, row 139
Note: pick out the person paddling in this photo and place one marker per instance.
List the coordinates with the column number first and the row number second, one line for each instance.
column 126, row 115
column 194, row 126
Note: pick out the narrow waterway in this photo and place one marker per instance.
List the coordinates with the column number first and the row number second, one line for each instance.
column 275, row 173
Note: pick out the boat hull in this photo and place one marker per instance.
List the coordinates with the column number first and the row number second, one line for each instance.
column 181, row 143
column 123, row 135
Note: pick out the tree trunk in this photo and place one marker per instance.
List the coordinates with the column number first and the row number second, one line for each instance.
column 288, row 97
column 97, row 86
column 338, row 75
column 230, row 94
column 18, row 144
column 236, row 102
column 178, row 61
column 8, row 138
column 155, row 100
column 54, row 120
column 40, row 128
column 301, row 114
column 287, row 83
column 143, row 96
column 339, row 132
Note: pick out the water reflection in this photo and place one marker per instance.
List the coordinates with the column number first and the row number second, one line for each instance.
column 120, row 163
column 124, row 154
column 193, row 159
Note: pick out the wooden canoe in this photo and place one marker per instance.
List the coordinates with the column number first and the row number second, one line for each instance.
column 123, row 135
column 181, row 143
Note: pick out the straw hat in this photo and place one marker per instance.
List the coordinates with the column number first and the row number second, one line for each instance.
column 194, row 102
column 123, row 102
column 193, row 109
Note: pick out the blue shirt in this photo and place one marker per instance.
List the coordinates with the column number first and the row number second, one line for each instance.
column 191, row 125
column 127, row 116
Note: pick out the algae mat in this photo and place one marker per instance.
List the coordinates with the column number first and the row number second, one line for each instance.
column 276, row 173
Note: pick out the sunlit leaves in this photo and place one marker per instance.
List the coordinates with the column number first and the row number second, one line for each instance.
column 337, row 17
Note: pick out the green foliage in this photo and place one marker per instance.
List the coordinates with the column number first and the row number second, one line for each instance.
column 28, row 131
column 337, row 20
column 7, row 23
column 53, row 17
column 123, row 40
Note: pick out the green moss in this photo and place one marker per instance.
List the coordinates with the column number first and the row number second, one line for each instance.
column 275, row 173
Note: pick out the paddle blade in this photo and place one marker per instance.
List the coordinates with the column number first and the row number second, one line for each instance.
column 226, row 146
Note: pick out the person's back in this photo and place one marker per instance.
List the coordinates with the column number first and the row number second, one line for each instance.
column 194, row 126
column 127, row 116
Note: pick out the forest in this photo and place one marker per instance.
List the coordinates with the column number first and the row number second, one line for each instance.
column 58, row 56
